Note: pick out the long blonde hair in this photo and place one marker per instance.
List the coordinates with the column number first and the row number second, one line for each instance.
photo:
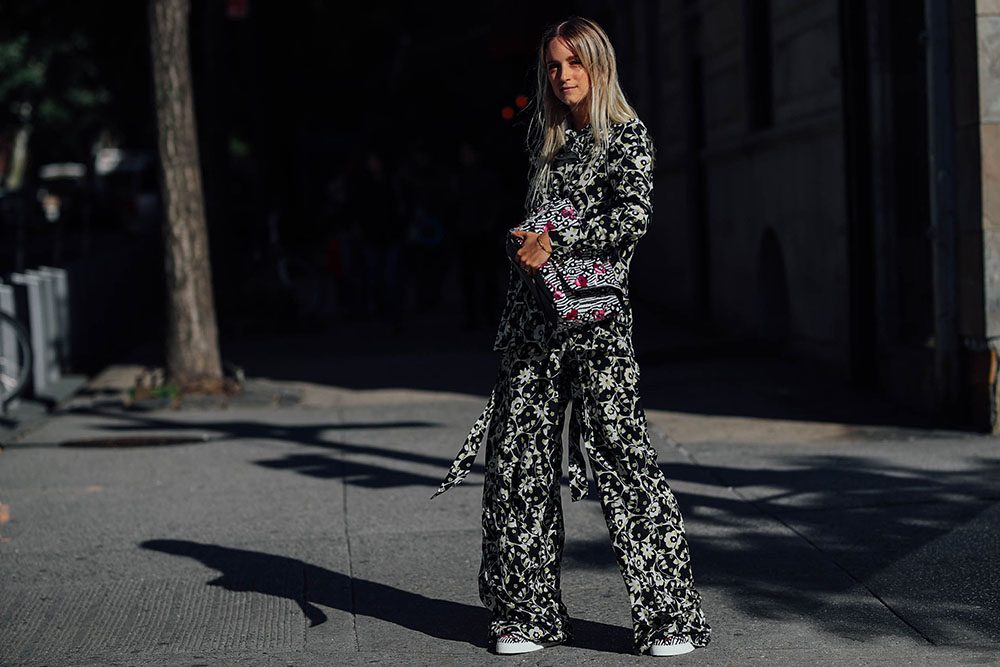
column 551, row 118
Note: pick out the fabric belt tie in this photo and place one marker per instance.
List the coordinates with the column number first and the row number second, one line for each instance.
column 580, row 431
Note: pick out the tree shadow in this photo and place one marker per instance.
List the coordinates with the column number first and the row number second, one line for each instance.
column 335, row 465
column 832, row 538
column 352, row 472
column 312, row 587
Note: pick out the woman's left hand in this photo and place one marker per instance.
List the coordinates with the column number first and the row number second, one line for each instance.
column 532, row 253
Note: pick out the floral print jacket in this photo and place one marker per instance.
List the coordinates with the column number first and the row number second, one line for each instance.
column 613, row 198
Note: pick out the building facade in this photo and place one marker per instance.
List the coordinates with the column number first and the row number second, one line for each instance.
column 827, row 181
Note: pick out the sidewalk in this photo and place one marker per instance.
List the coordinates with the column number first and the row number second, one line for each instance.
column 292, row 526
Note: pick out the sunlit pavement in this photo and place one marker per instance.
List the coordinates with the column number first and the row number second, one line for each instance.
column 292, row 525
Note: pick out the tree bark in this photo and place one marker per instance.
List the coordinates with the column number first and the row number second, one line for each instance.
column 192, row 358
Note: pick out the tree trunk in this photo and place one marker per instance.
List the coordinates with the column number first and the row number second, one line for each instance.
column 192, row 336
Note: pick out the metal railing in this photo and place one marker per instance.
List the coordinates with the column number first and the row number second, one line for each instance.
column 39, row 299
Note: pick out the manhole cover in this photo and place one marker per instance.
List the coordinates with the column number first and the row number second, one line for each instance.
column 136, row 441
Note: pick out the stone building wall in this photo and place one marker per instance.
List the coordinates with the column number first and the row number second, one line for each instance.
column 733, row 199
column 794, row 199
column 977, row 28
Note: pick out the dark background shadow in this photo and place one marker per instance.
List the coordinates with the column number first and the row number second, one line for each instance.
column 290, row 104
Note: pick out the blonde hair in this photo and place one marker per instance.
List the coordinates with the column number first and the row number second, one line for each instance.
column 551, row 118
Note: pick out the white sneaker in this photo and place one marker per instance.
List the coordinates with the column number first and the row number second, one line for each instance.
column 671, row 646
column 510, row 644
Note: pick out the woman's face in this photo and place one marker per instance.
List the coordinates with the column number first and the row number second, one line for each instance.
column 567, row 76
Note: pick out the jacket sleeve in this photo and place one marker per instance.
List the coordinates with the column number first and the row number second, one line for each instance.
column 622, row 216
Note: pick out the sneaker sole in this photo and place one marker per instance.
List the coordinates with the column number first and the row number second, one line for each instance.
column 675, row 649
column 521, row 647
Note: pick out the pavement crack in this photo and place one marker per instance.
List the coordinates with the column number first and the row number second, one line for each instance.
column 350, row 556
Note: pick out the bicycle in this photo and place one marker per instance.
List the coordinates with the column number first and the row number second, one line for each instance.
column 15, row 359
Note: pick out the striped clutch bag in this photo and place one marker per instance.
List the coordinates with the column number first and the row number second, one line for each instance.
column 576, row 289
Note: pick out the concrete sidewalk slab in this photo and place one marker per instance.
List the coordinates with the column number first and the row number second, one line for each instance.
column 911, row 517
column 302, row 534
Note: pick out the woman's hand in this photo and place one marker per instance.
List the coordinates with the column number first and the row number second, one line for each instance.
column 535, row 250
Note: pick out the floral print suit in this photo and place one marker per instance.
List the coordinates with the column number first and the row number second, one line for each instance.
column 541, row 371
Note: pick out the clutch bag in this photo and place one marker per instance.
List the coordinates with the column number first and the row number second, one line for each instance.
column 577, row 289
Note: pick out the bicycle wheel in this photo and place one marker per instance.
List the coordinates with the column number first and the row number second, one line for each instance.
column 15, row 358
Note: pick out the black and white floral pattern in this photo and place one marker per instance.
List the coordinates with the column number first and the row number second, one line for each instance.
column 540, row 372
column 612, row 196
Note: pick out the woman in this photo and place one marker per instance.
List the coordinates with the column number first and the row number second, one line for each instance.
column 590, row 147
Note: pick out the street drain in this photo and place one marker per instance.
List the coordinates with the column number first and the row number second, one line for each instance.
column 136, row 441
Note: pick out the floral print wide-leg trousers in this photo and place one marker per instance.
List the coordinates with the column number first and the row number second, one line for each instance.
column 522, row 518
column 523, row 531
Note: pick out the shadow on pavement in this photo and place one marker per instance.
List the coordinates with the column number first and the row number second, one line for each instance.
column 316, row 465
column 920, row 541
column 352, row 472
column 792, row 536
column 254, row 571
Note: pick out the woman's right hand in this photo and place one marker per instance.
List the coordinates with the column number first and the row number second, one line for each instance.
column 533, row 253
